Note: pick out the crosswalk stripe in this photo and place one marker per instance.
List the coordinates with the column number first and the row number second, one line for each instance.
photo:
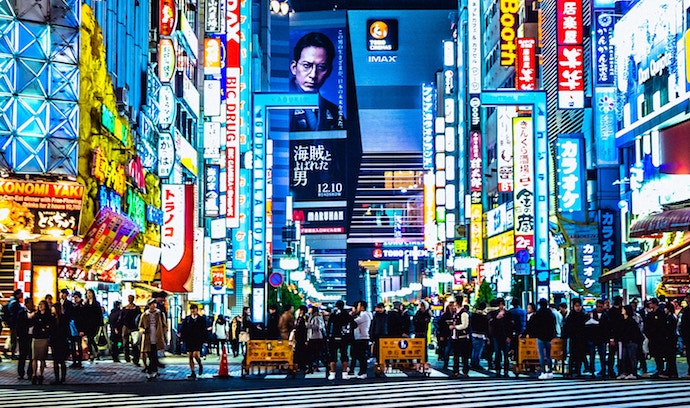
column 461, row 393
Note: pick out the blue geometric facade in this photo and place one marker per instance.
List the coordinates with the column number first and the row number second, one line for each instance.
column 39, row 86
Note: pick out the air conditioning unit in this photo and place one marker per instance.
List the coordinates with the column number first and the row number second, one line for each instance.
column 122, row 98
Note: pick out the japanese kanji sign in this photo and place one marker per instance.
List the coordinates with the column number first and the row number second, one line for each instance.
column 475, row 146
column 608, row 239
column 571, row 83
column 570, row 172
column 177, row 237
column 523, row 192
column 318, row 169
column 525, row 64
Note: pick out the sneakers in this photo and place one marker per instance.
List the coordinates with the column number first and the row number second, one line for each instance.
column 622, row 377
column 545, row 376
column 346, row 376
column 331, row 376
column 362, row 376
column 631, row 377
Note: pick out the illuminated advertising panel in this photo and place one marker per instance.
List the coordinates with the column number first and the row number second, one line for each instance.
column 499, row 219
column 212, row 97
column 213, row 57
column 508, row 22
column 382, row 35
column 571, row 82
column 166, row 154
column 317, row 170
column 232, row 107
column 329, row 81
column 569, row 22
column 166, row 106
column 214, row 20
column 168, row 17
column 177, row 237
column 651, row 57
column 51, row 209
column 476, row 232
column 428, row 93
column 189, row 36
column 605, row 125
column 500, row 245
column 166, row 60
column 604, row 56
column 609, row 239
column 523, row 193
column 429, row 211
column 475, row 147
column 504, row 147
column 589, row 268
column 212, row 139
column 474, row 44
column 570, row 176
column 212, row 191
column 525, row 64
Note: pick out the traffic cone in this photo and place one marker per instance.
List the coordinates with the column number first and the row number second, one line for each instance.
column 223, row 367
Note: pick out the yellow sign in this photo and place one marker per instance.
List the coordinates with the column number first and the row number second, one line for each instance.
column 476, row 232
column 509, row 9
column 500, row 245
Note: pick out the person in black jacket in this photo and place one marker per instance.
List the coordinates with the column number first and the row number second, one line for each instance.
column 654, row 330
column 59, row 343
column 93, row 321
column 445, row 346
column 574, row 330
column 379, row 327
column 194, row 334
column 24, row 339
column 272, row 330
column 628, row 337
column 340, row 330
column 543, row 326
column 130, row 330
column 597, row 333
column 670, row 345
column 77, row 316
column 501, row 329
column 615, row 316
column 480, row 331
column 115, row 324
column 684, row 328
column 43, row 324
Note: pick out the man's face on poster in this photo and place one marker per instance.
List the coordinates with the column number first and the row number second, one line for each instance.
column 312, row 69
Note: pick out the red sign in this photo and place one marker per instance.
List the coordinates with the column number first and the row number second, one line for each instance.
column 525, row 64
column 232, row 115
column 177, row 237
column 218, row 276
column 135, row 171
column 570, row 68
column 475, row 162
column 168, row 17
column 569, row 20
column 232, row 32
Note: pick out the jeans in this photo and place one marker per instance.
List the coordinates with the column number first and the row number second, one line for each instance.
column 359, row 353
column 501, row 348
column 595, row 348
column 544, row 348
column 24, row 356
column 477, row 349
column 153, row 359
column 628, row 359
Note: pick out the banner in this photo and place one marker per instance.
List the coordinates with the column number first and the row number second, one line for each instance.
column 523, row 194
column 177, row 237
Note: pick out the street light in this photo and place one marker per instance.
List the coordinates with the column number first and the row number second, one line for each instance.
column 280, row 7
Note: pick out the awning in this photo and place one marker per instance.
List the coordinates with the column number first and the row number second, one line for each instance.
column 666, row 221
column 647, row 258
column 636, row 262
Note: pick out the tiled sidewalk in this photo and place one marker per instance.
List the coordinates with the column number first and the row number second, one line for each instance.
column 107, row 371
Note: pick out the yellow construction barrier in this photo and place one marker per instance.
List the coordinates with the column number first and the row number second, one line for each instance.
column 527, row 360
column 271, row 355
column 402, row 354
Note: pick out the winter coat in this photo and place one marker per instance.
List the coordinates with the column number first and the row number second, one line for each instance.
column 574, row 326
column 43, row 325
column 379, row 325
column 286, row 324
column 500, row 327
column 315, row 327
column 628, row 332
column 598, row 327
column 92, row 318
column 421, row 321
column 542, row 325
column 144, row 327
column 193, row 332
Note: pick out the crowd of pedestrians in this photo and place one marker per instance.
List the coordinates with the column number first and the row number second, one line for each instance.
column 620, row 337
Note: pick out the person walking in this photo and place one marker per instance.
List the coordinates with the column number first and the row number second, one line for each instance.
column 542, row 326
column 77, row 316
column 340, row 329
column 13, row 308
column 363, row 320
column 43, row 325
column 59, row 343
column 234, row 335
column 445, row 346
column 272, row 329
column 128, row 322
column 670, row 344
column 684, row 329
column 115, row 324
column 93, row 321
column 654, row 330
column 152, row 325
column 286, row 322
column 221, row 330
column 24, row 339
column 379, row 327
column 194, row 334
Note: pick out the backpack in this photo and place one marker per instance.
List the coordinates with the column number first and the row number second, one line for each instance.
column 5, row 314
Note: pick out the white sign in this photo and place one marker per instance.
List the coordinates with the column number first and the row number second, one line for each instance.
column 212, row 97
column 474, row 40
column 190, row 95
column 504, row 147
column 166, row 106
column 212, row 138
column 499, row 220
column 189, row 35
column 166, row 154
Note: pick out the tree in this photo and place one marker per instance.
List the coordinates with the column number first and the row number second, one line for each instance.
column 485, row 293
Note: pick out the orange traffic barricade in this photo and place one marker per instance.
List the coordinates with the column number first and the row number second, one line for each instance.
column 401, row 354
column 527, row 359
column 269, row 355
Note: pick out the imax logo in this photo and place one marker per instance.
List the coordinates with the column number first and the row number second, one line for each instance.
column 382, row 58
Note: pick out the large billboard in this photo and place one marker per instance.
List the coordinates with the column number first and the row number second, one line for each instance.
column 318, row 169
column 177, row 238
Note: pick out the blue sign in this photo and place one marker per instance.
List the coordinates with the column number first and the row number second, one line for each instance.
column 608, row 239
column 428, row 126
column 605, row 63
column 570, row 169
